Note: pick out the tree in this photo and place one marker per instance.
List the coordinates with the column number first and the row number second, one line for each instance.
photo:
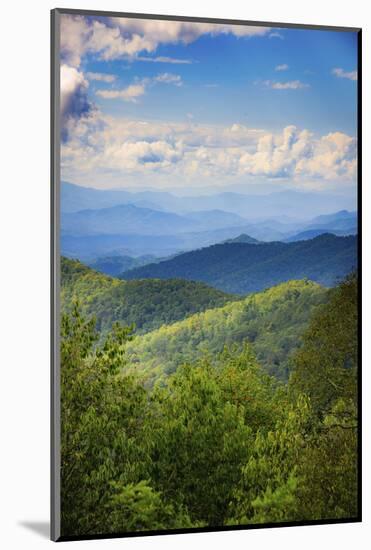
column 105, row 441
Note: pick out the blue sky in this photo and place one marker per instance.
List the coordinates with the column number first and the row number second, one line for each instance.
column 224, row 82
column 171, row 104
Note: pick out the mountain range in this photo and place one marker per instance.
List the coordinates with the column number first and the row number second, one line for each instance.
column 98, row 224
column 291, row 204
column 128, row 219
column 243, row 267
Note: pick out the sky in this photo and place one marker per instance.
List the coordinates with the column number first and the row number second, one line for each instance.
column 175, row 105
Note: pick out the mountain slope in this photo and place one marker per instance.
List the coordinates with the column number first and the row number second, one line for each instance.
column 272, row 321
column 337, row 218
column 312, row 233
column 242, row 267
column 115, row 265
column 148, row 304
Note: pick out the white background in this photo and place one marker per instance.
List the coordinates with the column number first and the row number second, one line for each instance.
column 24, row 271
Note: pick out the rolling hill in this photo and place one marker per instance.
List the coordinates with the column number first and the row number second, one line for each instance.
column 242, row 267
column 271, row 321
column 148, row 304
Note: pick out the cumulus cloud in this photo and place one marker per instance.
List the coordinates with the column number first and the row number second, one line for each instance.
column 298, row 153
column 334, row 157
column 283, row 67
column 290, row 85
column 123, row 37
column 180, row 152
column 101, row 77
column 340, row 73
column 74, row 36
column 73, row 90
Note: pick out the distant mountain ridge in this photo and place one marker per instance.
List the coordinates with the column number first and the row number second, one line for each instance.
column 120, row 222
column 243, row 238
column 242, row 267
column 124, row 219
column 278, row 204
column 115, row 265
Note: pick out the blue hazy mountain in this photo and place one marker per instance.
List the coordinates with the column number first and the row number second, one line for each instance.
column 162, row 224
column 90, row 247
column 340, row 223
column 115, row 265
column 242, row 267
column 336, row 217
column 243, row 238
column 216, row 219
column 125, row 219
column 129, row 219
column 312, row 233
column 296, row 204
column 75, row 198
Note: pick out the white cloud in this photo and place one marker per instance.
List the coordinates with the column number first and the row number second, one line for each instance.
column 290, row 85
column 73, row 89
column 298, row 153
column 101, row 77
column 120, row 37
column 130, row 93
column 74, row 35
column 164, row 59
column 340, row 73
column 113, row 150
column 283, row 67
column 133, row 91
column 168, row 78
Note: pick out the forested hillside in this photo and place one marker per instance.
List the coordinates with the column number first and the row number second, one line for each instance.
column 242, row 267
column 271, row 321
column 147, row 304
column 218, row 443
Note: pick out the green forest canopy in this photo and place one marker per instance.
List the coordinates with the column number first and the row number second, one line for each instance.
column 272, row 321
column 147, row 304
column 217, row 443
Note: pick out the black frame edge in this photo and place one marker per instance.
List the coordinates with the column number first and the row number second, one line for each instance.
column 359, row 261
column 54, row 278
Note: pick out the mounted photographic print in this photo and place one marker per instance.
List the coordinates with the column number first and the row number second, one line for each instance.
column 205, row 265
